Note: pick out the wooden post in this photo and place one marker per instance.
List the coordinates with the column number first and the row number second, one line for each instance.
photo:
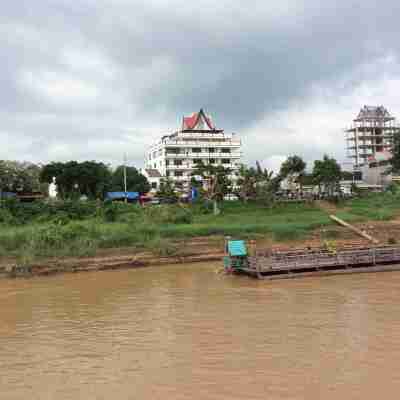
column 354, row 229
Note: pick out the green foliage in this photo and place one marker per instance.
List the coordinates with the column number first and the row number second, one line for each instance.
column 395, row 161
column 5, row 216
column 74, row 179
column 167, row 190
column 394, row 188
column 19, row 176
column 256, row 184
column 374, row 206
column 294, row 165
column 215, row 180
column 41, row 211
column 80, row 229
column 110, row 212
column 135, row 181
column 169, row 214
column 327, row 172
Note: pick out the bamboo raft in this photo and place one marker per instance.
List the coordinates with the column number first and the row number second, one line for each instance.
column 267, row 264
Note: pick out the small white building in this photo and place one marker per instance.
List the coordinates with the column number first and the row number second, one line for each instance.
column 153, row 176
column 176, row 155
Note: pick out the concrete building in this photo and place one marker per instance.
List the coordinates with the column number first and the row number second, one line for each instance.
column 176, row 155
column 375, row 170
column 372, row 132
column 369, row 144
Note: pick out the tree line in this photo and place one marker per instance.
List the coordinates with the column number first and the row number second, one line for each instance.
column 74, row 179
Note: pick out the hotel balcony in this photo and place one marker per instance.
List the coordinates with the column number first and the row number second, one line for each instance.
column 202, row 143
column 203, row 155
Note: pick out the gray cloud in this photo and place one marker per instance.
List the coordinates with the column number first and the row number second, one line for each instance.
column 92, row 79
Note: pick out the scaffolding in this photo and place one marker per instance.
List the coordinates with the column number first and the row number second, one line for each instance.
column 371, row 132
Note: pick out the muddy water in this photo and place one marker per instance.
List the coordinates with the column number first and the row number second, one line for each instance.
column 187, row 333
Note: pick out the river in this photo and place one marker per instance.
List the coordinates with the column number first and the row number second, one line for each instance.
column 186, row 332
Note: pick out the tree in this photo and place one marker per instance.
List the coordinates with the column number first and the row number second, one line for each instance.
column 135, row 181
column 74, row 179
column 347, row 175
column 327, row 172
column 215, row 181
column 292, row 165
column 19, row 176
column 256, row 184
column 293, row 169
column 166, row 190
column 395, row 161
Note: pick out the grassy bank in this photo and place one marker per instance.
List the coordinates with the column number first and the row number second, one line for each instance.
column 80, row 230
column 152, row 228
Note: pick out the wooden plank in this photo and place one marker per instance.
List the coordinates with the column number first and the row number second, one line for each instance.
column 354, row 229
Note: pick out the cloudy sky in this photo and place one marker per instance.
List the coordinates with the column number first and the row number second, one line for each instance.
column 94, row 79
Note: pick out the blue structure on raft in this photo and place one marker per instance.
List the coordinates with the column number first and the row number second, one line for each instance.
column 236, row 258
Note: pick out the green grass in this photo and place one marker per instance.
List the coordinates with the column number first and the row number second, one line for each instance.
column 157, row 228
column 375, row 206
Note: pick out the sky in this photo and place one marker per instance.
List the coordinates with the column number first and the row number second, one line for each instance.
column 97, row 79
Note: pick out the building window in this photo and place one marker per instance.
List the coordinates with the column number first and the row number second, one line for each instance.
column 167, row 162
column 154, row 185
column 196, row 150
column 211, row 149
column 225, row 150
column 177, row 162
column 167, row 173
column 225, row 161
column 155, row 165
column 212, row 160
column 173, row 150
column 154, row 154
column 197, row 161
column 178, row 173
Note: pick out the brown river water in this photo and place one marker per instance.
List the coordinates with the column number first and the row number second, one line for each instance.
column 185, row 332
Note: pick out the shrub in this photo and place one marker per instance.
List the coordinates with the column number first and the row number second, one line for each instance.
column 5, row 216
column 110, row 212
column 169, row 214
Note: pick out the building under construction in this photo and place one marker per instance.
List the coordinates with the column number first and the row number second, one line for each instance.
column 372, row 132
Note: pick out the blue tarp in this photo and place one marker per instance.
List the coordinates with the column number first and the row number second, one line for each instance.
column 8, row 195
column 122, row 195
column 237, row 248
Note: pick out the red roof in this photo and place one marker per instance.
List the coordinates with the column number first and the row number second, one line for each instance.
column 192, row 121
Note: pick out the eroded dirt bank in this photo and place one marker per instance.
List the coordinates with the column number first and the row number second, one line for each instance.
column 192, row 251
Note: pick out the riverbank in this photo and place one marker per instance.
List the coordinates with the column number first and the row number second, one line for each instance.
column 190, row 251
column 166, row 235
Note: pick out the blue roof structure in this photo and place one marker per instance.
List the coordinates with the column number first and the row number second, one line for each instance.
column 8, row 195
column 122, row 195
column 237, row 248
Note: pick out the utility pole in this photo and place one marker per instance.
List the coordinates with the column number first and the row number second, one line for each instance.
column 126, row 192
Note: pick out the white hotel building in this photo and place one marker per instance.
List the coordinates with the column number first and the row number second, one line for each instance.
column 176, row 155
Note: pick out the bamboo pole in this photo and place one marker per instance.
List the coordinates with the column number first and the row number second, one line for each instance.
column 354, row 229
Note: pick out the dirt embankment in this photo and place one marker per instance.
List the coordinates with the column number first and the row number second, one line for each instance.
column 193, row 250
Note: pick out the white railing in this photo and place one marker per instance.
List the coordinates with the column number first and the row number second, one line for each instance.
column 184, row 167
column 203, row 143
column 204, row 155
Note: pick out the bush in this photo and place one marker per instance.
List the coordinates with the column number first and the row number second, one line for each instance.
column 110, row 212
column 5, row 216
column 169, row 214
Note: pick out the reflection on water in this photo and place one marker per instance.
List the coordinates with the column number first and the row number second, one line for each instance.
column 183, row 332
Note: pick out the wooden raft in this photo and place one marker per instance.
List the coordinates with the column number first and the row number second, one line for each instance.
column 290, row 264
